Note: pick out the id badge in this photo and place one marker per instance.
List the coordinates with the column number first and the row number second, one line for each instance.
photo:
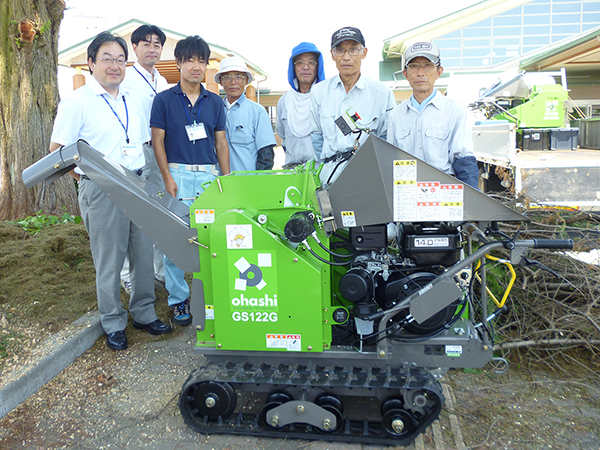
column 196, row 131
column 129, row 151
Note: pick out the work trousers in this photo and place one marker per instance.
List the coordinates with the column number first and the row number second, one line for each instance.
column 151, row 173
column 112, row 236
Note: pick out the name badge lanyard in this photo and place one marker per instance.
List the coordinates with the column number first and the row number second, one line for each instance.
column 145, row 79
column 187, row 114
column 125, row 127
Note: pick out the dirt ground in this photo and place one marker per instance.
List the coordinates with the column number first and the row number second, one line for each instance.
column 47, row 281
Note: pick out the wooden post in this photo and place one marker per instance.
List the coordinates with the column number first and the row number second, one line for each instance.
column 78, row 79
column 210, row 80
column 251, row 93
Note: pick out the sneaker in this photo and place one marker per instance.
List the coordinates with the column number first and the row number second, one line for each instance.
column 181, row 313
column 126, row 285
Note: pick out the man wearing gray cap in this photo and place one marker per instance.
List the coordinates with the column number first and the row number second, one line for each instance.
column 348, row 98
column 429, row 125
column 249, row 130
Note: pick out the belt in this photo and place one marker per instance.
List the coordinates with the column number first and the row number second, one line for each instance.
column 208, row 168
column 339, row 156
column 148, row 143
column 137, row 172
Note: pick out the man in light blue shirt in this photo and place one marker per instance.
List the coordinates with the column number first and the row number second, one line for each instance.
column 429, row 125
column 370, row 102
column 249, row 132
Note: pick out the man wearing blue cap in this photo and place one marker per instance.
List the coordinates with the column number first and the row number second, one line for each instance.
column 305, row 70
column 429, row 125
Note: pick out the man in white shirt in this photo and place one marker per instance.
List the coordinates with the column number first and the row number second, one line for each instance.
column 348, row 93
column 142, row 82
column 101, row 114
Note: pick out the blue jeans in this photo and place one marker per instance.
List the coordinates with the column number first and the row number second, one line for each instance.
column 189, row 185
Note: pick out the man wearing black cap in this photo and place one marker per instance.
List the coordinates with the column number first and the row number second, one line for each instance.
column 429, row 125
column 358, row 101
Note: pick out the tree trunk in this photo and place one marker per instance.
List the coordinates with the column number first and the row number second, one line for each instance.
column 28, row 102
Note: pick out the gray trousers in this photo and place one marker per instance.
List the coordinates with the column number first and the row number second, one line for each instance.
column 112, row 236
column 152, row 174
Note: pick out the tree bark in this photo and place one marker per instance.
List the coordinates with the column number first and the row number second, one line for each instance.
column 28, row 102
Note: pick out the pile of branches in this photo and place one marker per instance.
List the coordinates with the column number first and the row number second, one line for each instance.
column 554, row 308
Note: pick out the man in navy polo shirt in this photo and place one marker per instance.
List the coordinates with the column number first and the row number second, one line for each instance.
column 188, row 134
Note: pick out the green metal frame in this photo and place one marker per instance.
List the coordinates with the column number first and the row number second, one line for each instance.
column 261, row 292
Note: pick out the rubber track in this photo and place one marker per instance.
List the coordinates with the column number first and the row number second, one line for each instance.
column 356, row 431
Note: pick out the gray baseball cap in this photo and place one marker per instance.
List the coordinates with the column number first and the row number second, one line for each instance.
column 425, row 49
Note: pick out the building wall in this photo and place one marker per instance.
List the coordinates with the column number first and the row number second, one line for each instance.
column 518, row 31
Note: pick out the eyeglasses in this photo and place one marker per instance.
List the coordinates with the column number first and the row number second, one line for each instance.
column 111, row 61
column 427, row 68
column 237, row 77
column 352, row 51
column 301, row 64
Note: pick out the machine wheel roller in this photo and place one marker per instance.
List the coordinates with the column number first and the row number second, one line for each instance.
column 274, row 399
column 395, row 420
column 333, row 405
column 206, row 398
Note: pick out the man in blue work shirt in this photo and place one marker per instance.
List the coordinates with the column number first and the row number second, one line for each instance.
column 188, row 136
column 429, row 125
column 249, row 131
column 348, row 93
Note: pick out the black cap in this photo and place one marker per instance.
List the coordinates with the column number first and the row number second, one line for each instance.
column 347, row 34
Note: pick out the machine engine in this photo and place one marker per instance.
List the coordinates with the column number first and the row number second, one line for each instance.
column 383, row 273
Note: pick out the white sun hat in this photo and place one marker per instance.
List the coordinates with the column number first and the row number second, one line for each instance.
column 233, row 64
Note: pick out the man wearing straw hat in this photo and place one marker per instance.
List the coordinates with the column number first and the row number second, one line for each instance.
column 249, row 131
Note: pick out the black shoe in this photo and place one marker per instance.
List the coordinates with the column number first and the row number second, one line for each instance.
column 156, row 327
column 116, row 340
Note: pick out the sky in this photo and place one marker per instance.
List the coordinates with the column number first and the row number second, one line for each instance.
column 265, row 31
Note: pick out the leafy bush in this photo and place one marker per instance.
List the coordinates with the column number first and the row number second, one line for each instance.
column 34, row 224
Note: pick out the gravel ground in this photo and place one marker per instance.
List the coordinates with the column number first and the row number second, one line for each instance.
column 128, row 399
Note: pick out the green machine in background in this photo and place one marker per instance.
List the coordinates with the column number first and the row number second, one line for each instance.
column 538, row 111
column 544, row 107
column 340, row 306
column 538, row 106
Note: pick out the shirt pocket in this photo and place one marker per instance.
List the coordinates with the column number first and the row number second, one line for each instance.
column 436, row 140
column 241, row 134
column 369, row 121
column 403, row 139
column 327, row 120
